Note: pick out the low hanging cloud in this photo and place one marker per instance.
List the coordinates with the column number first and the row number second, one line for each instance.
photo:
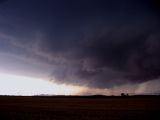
column 144, row 88
column 111, row 59
column 96, row 44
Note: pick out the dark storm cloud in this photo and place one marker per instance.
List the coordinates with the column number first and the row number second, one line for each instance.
column 120, row 56
column 154, row 5
column 89, row 42
column 2, row 1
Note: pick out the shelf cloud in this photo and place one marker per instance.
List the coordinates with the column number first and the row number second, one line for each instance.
column 99, row 44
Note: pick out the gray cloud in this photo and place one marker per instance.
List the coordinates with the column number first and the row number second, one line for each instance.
column 144, row 88
column 99, row 44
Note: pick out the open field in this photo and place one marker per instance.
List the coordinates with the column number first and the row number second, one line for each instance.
column 80, row 108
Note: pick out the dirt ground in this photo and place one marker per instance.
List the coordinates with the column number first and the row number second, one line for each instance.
column 80, row 108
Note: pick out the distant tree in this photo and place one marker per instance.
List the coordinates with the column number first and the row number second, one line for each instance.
column 124, row 94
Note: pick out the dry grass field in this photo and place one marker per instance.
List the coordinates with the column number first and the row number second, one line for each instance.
column 80, row 108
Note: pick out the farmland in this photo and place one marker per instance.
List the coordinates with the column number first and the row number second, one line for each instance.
column 79, row 108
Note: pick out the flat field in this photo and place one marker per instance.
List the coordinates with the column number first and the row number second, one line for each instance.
column 79, row 108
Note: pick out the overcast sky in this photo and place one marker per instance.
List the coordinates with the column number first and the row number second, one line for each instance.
column 101, row 44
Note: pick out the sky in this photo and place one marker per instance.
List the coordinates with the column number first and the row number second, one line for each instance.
column 88, row 46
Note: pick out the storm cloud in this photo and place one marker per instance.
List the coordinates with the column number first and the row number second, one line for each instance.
column 89, row 42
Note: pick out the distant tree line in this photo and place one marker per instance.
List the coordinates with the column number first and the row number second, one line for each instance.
column 124, row 94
